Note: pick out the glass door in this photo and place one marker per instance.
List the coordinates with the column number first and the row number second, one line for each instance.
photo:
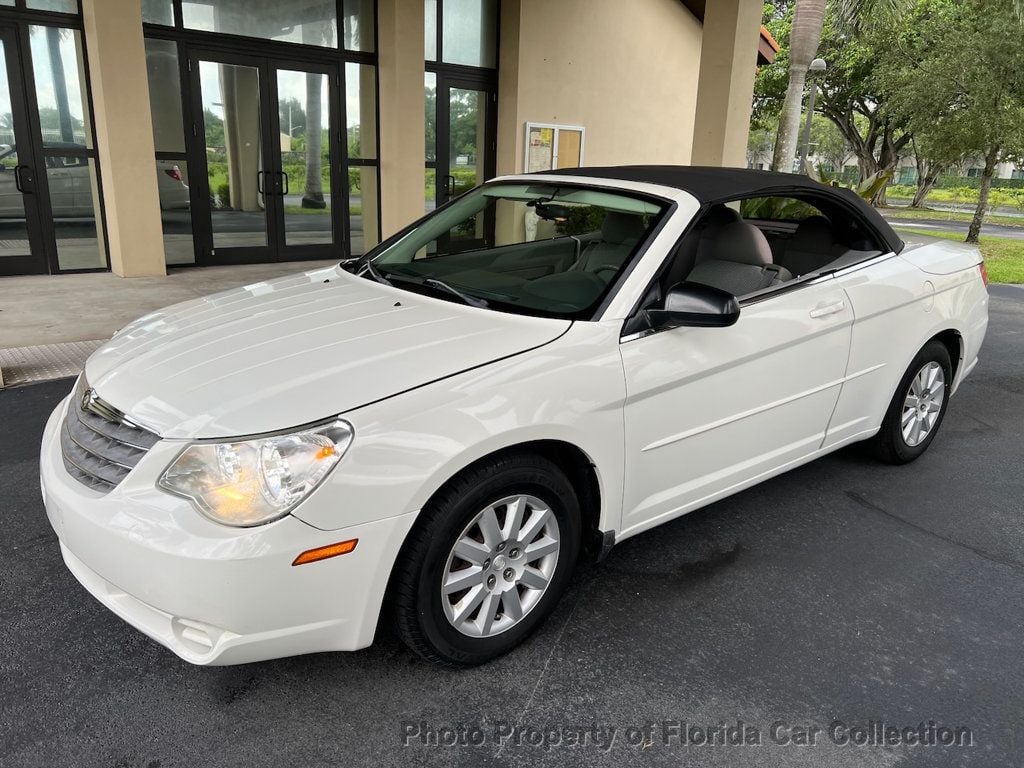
column 21, row 244
column 266, row 139
column 465, row 121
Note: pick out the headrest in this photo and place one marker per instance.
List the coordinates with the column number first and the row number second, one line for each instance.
column 742, row 243
column 813, row 234
column 621, row 227
column 718, row 216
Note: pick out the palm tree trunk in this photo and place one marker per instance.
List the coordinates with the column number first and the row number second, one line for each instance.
column 60, row 85
column 804, row 36
column 986, row 186
column 313, row 195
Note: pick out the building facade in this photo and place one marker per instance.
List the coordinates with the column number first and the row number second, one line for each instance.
column 141, row 134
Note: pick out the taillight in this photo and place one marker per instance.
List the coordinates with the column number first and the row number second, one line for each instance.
column 984, row 273
column 174, row 173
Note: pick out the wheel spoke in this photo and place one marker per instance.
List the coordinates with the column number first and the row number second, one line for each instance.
column 540, row 548
column 472, row 551
column 534, row 525
column 456, row 581
column 912, row 401
column 933, row 372
column 465, row 607
column 485, row 619
column 915, row 433
column 916, row 387
column 489, row 527
column 514, row 518
column 533, row 578
column 938, row 391
column 908, row 415
column 511, row 605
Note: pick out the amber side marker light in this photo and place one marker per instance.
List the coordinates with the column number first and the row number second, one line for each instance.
column 322, row 553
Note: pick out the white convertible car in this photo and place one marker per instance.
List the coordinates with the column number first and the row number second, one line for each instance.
column 432, row 434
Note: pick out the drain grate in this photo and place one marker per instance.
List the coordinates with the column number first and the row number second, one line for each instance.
column 25, row 365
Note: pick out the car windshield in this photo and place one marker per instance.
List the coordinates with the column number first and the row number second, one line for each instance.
column 537, row 249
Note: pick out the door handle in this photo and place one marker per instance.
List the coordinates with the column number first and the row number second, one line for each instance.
column 19, row 180
column 259, row 182
column 284, row 186
column 450, row 180
column 823, row 310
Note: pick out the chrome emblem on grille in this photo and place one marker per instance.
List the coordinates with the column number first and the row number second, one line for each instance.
column 88, row 398
column 91, row 402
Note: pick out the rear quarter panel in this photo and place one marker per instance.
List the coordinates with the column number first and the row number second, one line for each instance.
column 898, row 306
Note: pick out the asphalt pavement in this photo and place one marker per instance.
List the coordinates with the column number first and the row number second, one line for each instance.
column 840, row 595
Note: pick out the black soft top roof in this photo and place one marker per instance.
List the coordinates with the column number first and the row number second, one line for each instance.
column 719, row 185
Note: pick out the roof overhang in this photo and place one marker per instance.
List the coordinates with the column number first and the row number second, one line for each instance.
column 767, row 48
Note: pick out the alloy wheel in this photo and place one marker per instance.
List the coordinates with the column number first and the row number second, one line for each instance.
column 500, row 566
column 923, row 404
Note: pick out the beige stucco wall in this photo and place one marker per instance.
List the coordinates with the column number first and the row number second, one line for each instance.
column 627, row 74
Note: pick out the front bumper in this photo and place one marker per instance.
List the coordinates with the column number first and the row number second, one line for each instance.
column 210, row 593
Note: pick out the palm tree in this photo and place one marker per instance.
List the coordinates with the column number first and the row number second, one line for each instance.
column 804, row 37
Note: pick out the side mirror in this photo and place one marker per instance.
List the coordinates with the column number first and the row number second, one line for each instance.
column 697, row 306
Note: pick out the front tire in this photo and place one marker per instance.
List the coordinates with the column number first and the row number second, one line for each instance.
column 488, row 560
column 917, row 409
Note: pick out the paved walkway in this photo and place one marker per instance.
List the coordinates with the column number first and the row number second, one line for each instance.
column 49, row 324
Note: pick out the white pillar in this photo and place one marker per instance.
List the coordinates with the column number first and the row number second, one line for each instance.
column 124, row 136
column 728, row 63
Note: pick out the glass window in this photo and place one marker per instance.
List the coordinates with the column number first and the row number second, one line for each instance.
column 61, row 6
column 430, row 29
column 175, row 211
column 361, row 110
column 74, row 201
column 430, row 99
column 470, row 32
column 529, row 248
column 165, row 95
column 358, row 25
column 60, row 86
column 313, row 22
column 158, row 12
column 363, row 219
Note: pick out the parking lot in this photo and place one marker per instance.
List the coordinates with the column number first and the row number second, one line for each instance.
column 845, row 592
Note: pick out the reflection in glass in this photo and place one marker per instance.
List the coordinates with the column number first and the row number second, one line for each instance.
column 313, row 22
column 175, row 212
column 13, row 229
column 234, row 158
column 60, row 6
column 430, row 100
column 357, row 25
column 165, row 95
column 74, row 201
column 430, row 29
column 467, row 111
column 60, row 86
column 470, row 32
column 158, row 12
column 304, row 112
column 361, row 110
column 363, row 216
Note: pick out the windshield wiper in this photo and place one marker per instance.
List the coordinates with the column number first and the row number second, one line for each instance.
column 437, row 285
column 373, row 272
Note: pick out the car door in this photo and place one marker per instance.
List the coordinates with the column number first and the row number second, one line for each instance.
column 709, row 410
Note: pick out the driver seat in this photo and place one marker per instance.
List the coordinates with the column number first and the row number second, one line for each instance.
column 620, row 232
column 740, row 263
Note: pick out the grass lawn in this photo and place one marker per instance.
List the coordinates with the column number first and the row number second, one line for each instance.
column 897, row 212
column 1004, row 257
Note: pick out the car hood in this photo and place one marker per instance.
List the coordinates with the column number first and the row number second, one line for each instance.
column 287, row 352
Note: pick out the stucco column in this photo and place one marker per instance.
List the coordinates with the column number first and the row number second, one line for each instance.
column 402, row 121
column 728, row 63
column 124, row 136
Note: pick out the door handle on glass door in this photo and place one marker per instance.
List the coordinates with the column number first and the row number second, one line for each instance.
column 259, row 182
column 832, row 308
column 284, row 183
column 20, row 180
column 450, row 180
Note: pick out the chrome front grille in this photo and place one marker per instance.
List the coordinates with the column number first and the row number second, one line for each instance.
column 99, row 444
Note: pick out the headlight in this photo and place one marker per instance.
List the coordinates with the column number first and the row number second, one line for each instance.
column 252, row 482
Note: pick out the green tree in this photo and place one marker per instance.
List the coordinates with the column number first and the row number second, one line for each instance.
column 957, row 82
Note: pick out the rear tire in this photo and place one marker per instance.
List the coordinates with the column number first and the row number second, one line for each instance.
column 917, row 409
column 488, row 560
